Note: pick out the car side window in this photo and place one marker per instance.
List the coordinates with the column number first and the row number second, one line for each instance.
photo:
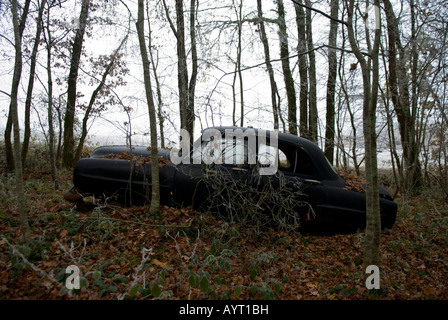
column 269, row 154
column 234, row 152
column 304, row 165
column 295, row 160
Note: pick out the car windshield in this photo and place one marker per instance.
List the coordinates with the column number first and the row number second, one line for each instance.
column 236, row 152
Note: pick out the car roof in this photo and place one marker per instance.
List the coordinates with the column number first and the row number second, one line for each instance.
column 326, row 171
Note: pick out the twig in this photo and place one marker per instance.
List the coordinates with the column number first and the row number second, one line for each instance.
column 38, row 270
column 146, row 254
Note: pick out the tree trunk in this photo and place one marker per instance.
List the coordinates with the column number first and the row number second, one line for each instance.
column 51, row 139
column 313, row 114
column 287, row 74
column 69, row 140
column 370, row 88
column 267, row 58
column 186, row 88
column 303, row 68
column 9, row 153
column 415, row 168
column 158, row 88
column 29, row 92
column 238, row 62
column 194, row 68
column 20, row 192
column 400, row 96
column 237, row 73
column 331, row 83
column 155, row 185
column 182, row 67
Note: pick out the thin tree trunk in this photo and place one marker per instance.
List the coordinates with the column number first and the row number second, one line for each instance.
column 186, row 88
column 20, row 192
column 267, row 57
column 401, row 98
column 155, row 184
column 331, row 83
column 69, row 140
column 29, row 92
column 9, row 153
column 313, row 115
column 370, row 88
column 194, row 67
column 287, row 74
column 158, row 88
column 303, row 68
column 51, row 139
column 182, row 66
column 415, row 169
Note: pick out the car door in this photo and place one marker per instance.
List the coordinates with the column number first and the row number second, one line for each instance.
column 218, row 164
column 296, row 179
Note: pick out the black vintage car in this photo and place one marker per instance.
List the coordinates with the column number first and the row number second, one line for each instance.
column 242, row 159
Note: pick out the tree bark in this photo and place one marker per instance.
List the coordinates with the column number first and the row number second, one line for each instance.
column 155, row 184
column 238, row 61
column 401, row 99
column 9, row 123
column 287, row 74
column 29, row 93
column 158, row 87
column 303, row 68
column 331, row 83
column 313, row 114
column 69, row 140
column 370, row 92
column 194, row 67
column 19, row 188
column 267, row 58
column 186, row 88
column 51, row 146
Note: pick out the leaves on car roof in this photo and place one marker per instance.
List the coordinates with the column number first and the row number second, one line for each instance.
column 139, row 160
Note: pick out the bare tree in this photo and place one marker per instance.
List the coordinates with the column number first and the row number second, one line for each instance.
column 20, row 192
column 370, row 80
column 400, row 95
column 187, row 87
column 9, row 123
column 267, row 57
column 69, row 141
column 303, row 67
column 313, row 115
column 155, row 185
column 29, row 92
column 331, row 83
column 154, row 63
column 287, row 74
column 51, row 147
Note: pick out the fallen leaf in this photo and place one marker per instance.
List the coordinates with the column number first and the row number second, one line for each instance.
column 63, row 233
column 159, row 263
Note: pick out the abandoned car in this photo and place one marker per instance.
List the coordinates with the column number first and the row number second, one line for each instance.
column 223, row 170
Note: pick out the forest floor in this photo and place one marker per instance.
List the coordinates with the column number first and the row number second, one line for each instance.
column 126, row 253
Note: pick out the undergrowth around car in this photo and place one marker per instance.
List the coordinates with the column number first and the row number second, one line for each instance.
column 126, row 253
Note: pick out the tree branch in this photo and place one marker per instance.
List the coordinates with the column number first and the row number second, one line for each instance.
column 320, row 12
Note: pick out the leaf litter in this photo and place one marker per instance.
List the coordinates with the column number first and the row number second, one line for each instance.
column 197, row 256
